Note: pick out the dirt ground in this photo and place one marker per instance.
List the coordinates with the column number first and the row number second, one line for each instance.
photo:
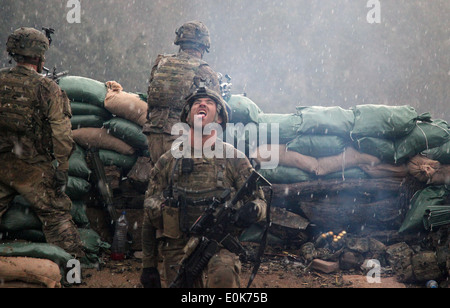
column 275, row 272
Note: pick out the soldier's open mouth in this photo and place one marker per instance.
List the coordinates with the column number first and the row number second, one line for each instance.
column 202, row 113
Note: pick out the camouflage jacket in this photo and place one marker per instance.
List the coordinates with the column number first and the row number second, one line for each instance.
column 23, row 89
column 208, row 178
column 172, row 79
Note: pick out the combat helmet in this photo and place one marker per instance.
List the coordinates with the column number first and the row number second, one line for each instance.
column 194, row 32
column 27, row 42
column 204, row 92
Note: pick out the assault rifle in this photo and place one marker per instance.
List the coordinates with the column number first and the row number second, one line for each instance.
column 212, row 231
column 94, row 161
column 53, row 75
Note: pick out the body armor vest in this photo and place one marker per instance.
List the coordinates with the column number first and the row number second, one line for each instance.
column 175, row 78
column 22, row 114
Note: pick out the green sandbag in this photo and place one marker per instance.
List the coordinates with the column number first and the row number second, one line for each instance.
column 441, row 154
column 20, row 216
column 289, row 124
column 285, row 175
column 383, row 149
column 84, row 90
column 36, row 250
column 93, row 246
column 111, row 158
column 78, row 166
column 77, row 188
column 317, row 145
column 254, row 234
column 420, row 203
column 127, row 131
column 381, row 121
column 81, row 121
column 326, row 121
column 88, row 109
column 243, row 110
column 425, row 136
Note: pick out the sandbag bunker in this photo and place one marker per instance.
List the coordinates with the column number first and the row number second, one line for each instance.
column 380, row 173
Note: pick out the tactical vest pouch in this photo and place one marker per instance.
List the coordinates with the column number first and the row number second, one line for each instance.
column 171, row 222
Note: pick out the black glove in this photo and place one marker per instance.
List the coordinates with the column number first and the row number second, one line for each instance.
column 61, row 179
column 150, row 278
column 247, row 215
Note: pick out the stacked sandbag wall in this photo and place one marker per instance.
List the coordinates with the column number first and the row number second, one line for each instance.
column 371, row 147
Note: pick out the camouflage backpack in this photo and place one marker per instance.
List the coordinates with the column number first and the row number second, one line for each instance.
column 21, row 111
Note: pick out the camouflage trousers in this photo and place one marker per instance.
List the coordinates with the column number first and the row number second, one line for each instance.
column 223, row 269
column 35, row 182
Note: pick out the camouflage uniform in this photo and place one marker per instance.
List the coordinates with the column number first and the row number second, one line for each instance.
column 208, row 178
column 172, row 79
column 35, row 129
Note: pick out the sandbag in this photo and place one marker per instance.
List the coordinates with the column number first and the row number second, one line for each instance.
column 420, row 203
column 20, row 216
column 93, row 246
column 385, row 170
column 84, row 90
column 348, row 159
column 243, row 110
column 350, row 173
column 80, row 121
column 30, row 270
column 381, row 121
column 326, row 121
column 317, row 145
column 383, row 149
column 88, row 109
column 36, row 250
column 424, row 136
column 126, row 105
column 77, row 188
column 100, row 138
column 286, row 158
column 77, row 164
column 441, row 154
column 441, row 176
column 286, row 175
column 127, row 131
column 111, row 158
column 423, row 168
column 289, row 124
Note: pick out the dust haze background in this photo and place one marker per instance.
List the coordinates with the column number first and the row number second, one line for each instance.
column 283, row 54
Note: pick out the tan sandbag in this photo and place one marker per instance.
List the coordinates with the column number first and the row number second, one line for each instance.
column 125, row 105
column 442, row 176
column 348, row 159
column 287, row 158
column 30, row 270
column 385, row 171
column 90, row 137
column 423, row 168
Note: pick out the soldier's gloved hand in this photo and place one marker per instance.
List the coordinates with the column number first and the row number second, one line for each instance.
column 247, row 215
column 61, row 179
column 150, row 278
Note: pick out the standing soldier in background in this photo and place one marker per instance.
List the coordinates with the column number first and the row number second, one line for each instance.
column 35, row 129
column 172, row 79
